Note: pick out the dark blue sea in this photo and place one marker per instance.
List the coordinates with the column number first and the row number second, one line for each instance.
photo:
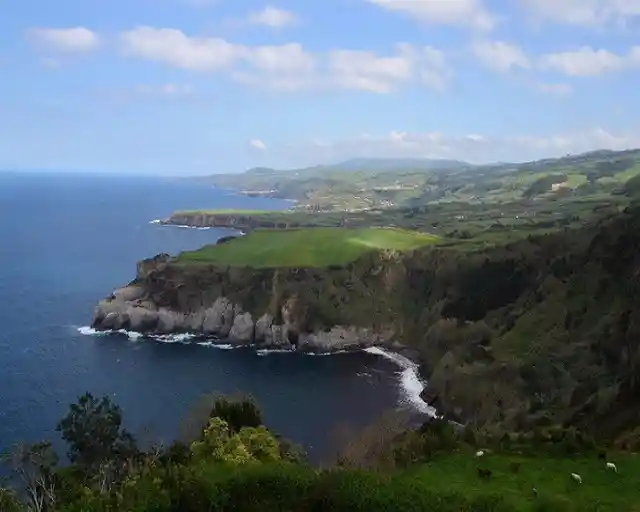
column 66, row 241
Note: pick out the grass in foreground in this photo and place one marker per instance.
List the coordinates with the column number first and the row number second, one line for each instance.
column 313, row 247
column 601, row 489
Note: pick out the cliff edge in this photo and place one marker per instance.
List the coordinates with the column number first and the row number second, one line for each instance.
column 539, row 331
column 305, row 308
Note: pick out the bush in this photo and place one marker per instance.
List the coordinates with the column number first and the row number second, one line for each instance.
column 434, row 437
column 239, row 411
column 9, row 501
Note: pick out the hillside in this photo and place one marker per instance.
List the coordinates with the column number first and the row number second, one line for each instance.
column 230, row 461
column 376, row 183
column 537, row 331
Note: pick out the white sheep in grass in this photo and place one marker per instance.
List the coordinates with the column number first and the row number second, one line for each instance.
column 576, row 478
column 611, row 465
column 479, row 453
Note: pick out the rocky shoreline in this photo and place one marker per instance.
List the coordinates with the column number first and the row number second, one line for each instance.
column 131, row 308
column 237, row 221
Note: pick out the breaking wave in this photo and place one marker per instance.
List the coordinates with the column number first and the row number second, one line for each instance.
column 410, row 381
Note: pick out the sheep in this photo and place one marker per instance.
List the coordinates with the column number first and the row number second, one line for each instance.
column 484, row 473
column 611, row 465
column 479, row 454
column 576, row 478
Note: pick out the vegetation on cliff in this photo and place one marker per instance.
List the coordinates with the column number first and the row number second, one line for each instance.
column 314, row 247
column 397, row 184
column 231, row 462
column 531, row 332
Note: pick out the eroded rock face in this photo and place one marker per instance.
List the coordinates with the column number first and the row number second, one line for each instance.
column 129, row 308
column 342, row 338
column 243, row 328
column 218, row 319
column 263, row 328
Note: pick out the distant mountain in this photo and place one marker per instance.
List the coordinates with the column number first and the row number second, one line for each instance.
column 373, row 164
column 401, row 164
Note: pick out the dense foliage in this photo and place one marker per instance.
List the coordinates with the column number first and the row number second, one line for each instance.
column 245, row 468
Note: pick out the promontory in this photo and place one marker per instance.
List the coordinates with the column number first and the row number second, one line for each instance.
column 536, row 329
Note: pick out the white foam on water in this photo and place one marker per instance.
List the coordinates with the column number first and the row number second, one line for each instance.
column 171, row 338
column 181, row 226
column 155, row 221
column 267, row 351
column 219, row 346
column 134, row 335
column 88, row 331
column 410, row 381
column 325, row 354
column 183, row 338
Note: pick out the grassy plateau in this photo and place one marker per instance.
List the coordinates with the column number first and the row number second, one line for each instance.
column 314, row 247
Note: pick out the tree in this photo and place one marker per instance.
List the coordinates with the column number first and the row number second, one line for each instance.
column 9, row 501
column 236, row 410
column 94, row 433
column 251, row 444
column 33, row 464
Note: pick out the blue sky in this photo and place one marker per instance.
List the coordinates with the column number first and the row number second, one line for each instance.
column 181, row 87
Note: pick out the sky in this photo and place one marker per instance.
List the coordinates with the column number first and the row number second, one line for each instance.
column 186, row 87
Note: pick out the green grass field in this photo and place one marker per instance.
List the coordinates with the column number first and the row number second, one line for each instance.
column 601, row 489
column 312, row 247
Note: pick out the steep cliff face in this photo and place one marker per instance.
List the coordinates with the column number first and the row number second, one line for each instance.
column 311, row 308
column 540, row 331
column 242, row 222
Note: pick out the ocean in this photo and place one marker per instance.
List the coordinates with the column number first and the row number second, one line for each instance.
column 68, row 240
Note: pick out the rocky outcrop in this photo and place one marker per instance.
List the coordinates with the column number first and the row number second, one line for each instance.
column 268, row 308
column 540, row 331
column 241, row 222
column 129, row 309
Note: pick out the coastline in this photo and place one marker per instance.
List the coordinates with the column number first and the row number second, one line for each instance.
column 411, row 382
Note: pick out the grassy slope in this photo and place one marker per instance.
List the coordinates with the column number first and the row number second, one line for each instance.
column 457, row 472
column 306, row 247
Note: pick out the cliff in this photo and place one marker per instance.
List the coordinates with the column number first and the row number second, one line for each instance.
column 543, row 330
column 239, row 221
column 310, row 308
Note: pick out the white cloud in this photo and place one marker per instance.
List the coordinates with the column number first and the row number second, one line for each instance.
column 581, row 62
column 70, row 40
column 472, row 147
column 168, row 89
column 173, row 47
column 258, row 144
column 285, row 67
column 587, row 61
column 272, row 17
column 500, row 56
column 435, row 71
column 364, row 70
column 556, row 89
column 471, row 13
column 289, row 66
column 590, row 13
